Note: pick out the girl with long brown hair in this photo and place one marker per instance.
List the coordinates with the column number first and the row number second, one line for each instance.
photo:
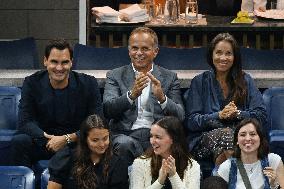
column 93, row 165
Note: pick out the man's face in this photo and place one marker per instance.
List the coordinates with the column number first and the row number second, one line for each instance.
column 142, row 51
column 58, row 65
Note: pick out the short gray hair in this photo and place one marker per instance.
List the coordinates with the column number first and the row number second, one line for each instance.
column 147, row 30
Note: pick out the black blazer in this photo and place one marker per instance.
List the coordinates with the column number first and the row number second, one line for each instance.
column 36, row 109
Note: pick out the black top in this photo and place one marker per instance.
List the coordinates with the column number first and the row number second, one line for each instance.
column 61, row 165
column 57, row 112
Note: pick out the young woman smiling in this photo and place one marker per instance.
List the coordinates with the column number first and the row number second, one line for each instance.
column 93, row 165
column 252, row 163
column 167, row 164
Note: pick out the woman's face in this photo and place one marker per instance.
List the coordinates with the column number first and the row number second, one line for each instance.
column 223, row 57
column 160, row 141
column 248, row 139
column 98, row 141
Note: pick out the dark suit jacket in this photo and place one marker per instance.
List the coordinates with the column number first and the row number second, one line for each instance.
column 36, row 109
column 122, row 113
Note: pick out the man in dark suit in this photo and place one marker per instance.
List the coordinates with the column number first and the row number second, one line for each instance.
column 54, row 102
column 138, row 94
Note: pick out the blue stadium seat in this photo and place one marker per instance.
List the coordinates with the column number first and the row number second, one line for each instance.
column 182, row 59
column 9, row 101
column 44, row 179
column 38, row 169
column 92, row 58
column 274, row 101
column 255, row 59
column 19, row 54
column 16, row 177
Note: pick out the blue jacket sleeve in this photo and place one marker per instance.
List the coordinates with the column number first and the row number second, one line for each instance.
column 255, row 107
column 195, row 116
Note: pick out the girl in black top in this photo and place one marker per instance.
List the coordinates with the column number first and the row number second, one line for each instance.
column 93, row 165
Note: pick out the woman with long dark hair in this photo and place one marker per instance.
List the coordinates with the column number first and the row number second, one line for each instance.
column 93, row 165
column 167, row 163
column 252, row 166
column 220, row 98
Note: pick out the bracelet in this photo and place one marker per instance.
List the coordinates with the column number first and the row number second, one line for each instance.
column 68, row 138
column 239, row 114
column 277, row 186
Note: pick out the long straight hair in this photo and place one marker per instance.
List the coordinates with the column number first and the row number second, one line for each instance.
column 84, row 169
column 179, row 149
column 236, row 76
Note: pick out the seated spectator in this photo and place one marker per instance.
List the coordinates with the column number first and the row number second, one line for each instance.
column 219, row 99
column 93, row 165
column 138, row 94
column 54, row 103
column 167, row 163
column 214, row 182
column 219, row 7
column 252, row 166
column 251, row 5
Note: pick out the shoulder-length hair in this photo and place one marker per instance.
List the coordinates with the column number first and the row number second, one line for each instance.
column 263, row 149
column 179, row 148
column 236, row 75
column 83, row 170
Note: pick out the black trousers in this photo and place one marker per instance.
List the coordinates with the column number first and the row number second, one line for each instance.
column 25, row 151
column 132, row 144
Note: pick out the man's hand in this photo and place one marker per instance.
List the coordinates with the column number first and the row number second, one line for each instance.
column 157, row 88
column 55, row 143
column 140, row 83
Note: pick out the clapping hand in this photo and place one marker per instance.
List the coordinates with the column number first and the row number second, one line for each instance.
column 168, row 168
column 157, row 88
column 140, row 83
column 230, row 111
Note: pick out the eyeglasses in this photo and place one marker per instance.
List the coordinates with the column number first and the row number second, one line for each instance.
column 143, row 49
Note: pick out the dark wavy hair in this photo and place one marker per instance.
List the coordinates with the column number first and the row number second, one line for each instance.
column 83, row 170
column 235, row 78
column 179, row 149
column 263, row 149
column 59, row 44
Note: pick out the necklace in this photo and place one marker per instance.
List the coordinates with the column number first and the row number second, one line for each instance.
column 251, row 167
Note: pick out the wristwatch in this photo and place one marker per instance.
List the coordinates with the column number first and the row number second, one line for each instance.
column 68, row 138
column 129, row 94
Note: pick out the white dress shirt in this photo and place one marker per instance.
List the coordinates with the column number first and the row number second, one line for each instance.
column 145, row 116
